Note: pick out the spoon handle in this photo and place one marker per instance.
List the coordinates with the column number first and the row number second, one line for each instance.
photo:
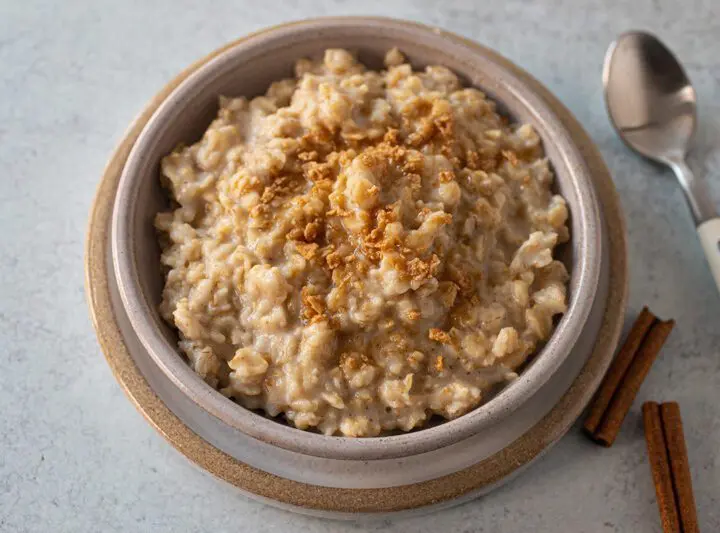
column 709, row 233
column 696, row 191
column 704, row 213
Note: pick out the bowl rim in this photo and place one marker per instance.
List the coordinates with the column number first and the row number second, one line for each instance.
column 546, row 361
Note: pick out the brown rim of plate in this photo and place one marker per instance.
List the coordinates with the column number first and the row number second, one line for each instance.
column 481, row 475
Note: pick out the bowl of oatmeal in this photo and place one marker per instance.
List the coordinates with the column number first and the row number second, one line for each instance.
column 355, row 241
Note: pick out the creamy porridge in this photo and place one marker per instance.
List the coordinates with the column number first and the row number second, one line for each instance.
column 359, row 250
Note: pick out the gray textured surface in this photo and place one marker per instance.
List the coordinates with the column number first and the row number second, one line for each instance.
column 76, row 456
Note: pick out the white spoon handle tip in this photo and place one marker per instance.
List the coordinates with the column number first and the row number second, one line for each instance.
column 709, row 233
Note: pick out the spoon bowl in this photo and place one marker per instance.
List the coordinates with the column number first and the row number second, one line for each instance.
column 651, row 101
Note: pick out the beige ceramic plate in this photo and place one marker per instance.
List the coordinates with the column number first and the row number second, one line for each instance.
column 114, row 337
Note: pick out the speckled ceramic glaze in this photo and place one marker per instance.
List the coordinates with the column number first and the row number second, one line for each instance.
column 247, row 68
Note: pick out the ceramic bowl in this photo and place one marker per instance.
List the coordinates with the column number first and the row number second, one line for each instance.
column 247, row 68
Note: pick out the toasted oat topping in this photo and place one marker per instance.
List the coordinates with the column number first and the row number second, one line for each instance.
column 439, row 335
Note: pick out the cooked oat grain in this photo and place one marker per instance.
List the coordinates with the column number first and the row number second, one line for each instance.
column 358, row 250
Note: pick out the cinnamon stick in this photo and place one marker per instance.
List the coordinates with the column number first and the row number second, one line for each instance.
column 618, row 369
column 660, row 467
column 629, row 386
column 679, row 466
column 670, row 468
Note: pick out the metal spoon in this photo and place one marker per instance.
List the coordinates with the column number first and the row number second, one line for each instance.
column 653, row 108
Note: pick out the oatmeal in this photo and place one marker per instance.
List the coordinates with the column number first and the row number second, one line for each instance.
column 358, row 250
